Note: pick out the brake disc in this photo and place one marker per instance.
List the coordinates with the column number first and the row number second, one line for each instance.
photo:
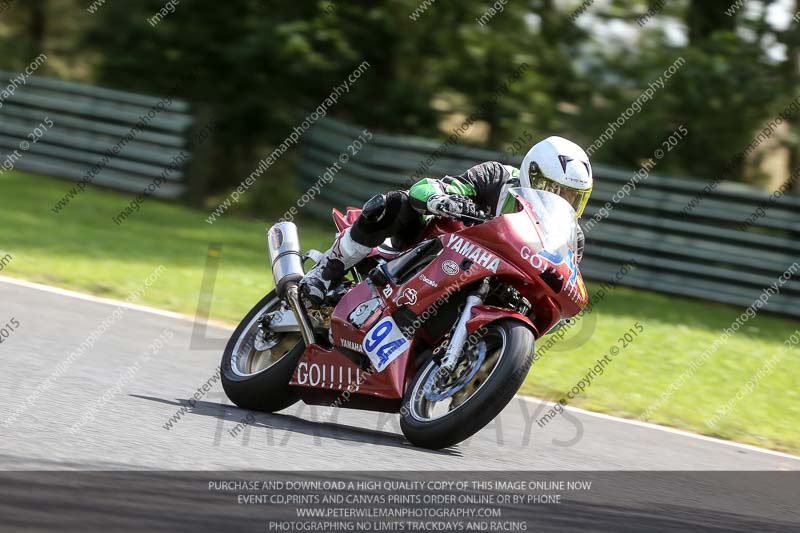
column 436, row 392
column 264, row 339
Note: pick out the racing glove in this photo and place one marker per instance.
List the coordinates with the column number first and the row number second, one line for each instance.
column 451, row 206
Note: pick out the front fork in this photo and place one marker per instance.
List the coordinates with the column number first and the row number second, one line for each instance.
column 293, row 299
column 460, row 335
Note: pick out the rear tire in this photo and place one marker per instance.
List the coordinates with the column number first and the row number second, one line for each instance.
column 483, row 405
column 259, row 381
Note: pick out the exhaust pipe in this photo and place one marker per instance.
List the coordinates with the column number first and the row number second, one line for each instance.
column 286, row 260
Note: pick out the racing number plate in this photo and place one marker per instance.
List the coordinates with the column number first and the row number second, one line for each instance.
column 384, row 343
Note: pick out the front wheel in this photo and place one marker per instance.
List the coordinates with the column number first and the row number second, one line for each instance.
column 256, row 370
column 440, row 411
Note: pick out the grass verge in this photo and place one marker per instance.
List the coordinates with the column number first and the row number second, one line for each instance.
column 82, row 249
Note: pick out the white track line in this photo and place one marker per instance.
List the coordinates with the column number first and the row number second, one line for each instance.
column 178, row 316
column 106, row 301
column 667, row 429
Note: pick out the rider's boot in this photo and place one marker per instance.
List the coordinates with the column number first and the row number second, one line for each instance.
column 329, row 272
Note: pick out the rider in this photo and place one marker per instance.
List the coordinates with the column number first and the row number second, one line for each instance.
column 555, row 164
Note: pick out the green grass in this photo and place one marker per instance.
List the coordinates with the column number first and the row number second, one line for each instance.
column 82, row 249
column 676, row 332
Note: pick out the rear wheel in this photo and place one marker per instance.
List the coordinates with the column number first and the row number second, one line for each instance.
column 257, row 368
column 442, row 410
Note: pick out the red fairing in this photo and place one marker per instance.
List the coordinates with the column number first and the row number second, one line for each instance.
column 394, row 316
column 485, row 314
column 320, row 369
column 326, row 377
column 512, row 237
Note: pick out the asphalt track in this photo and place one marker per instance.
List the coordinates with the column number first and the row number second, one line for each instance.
column 128, row 431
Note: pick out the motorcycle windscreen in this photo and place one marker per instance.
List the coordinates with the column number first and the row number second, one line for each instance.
column 557, row 221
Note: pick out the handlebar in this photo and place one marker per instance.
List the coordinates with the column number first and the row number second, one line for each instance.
column 457, row 207
column 472, row 214
column 481, row 217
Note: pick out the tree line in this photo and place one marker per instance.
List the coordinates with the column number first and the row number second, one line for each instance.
column 259, row 66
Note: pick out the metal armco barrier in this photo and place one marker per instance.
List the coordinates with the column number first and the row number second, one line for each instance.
column 701, row 254
column 87, row 122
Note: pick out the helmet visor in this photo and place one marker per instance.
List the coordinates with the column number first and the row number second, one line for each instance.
column 577, row 198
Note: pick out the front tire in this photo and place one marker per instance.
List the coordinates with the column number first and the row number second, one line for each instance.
column 258, row 380
column 508, row 353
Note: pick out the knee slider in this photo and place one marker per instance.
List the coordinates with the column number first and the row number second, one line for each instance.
column 375, row 208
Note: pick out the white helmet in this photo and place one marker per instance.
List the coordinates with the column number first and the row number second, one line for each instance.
column 559, row 166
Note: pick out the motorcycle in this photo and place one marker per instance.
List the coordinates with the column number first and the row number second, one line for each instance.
column 442, row 334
